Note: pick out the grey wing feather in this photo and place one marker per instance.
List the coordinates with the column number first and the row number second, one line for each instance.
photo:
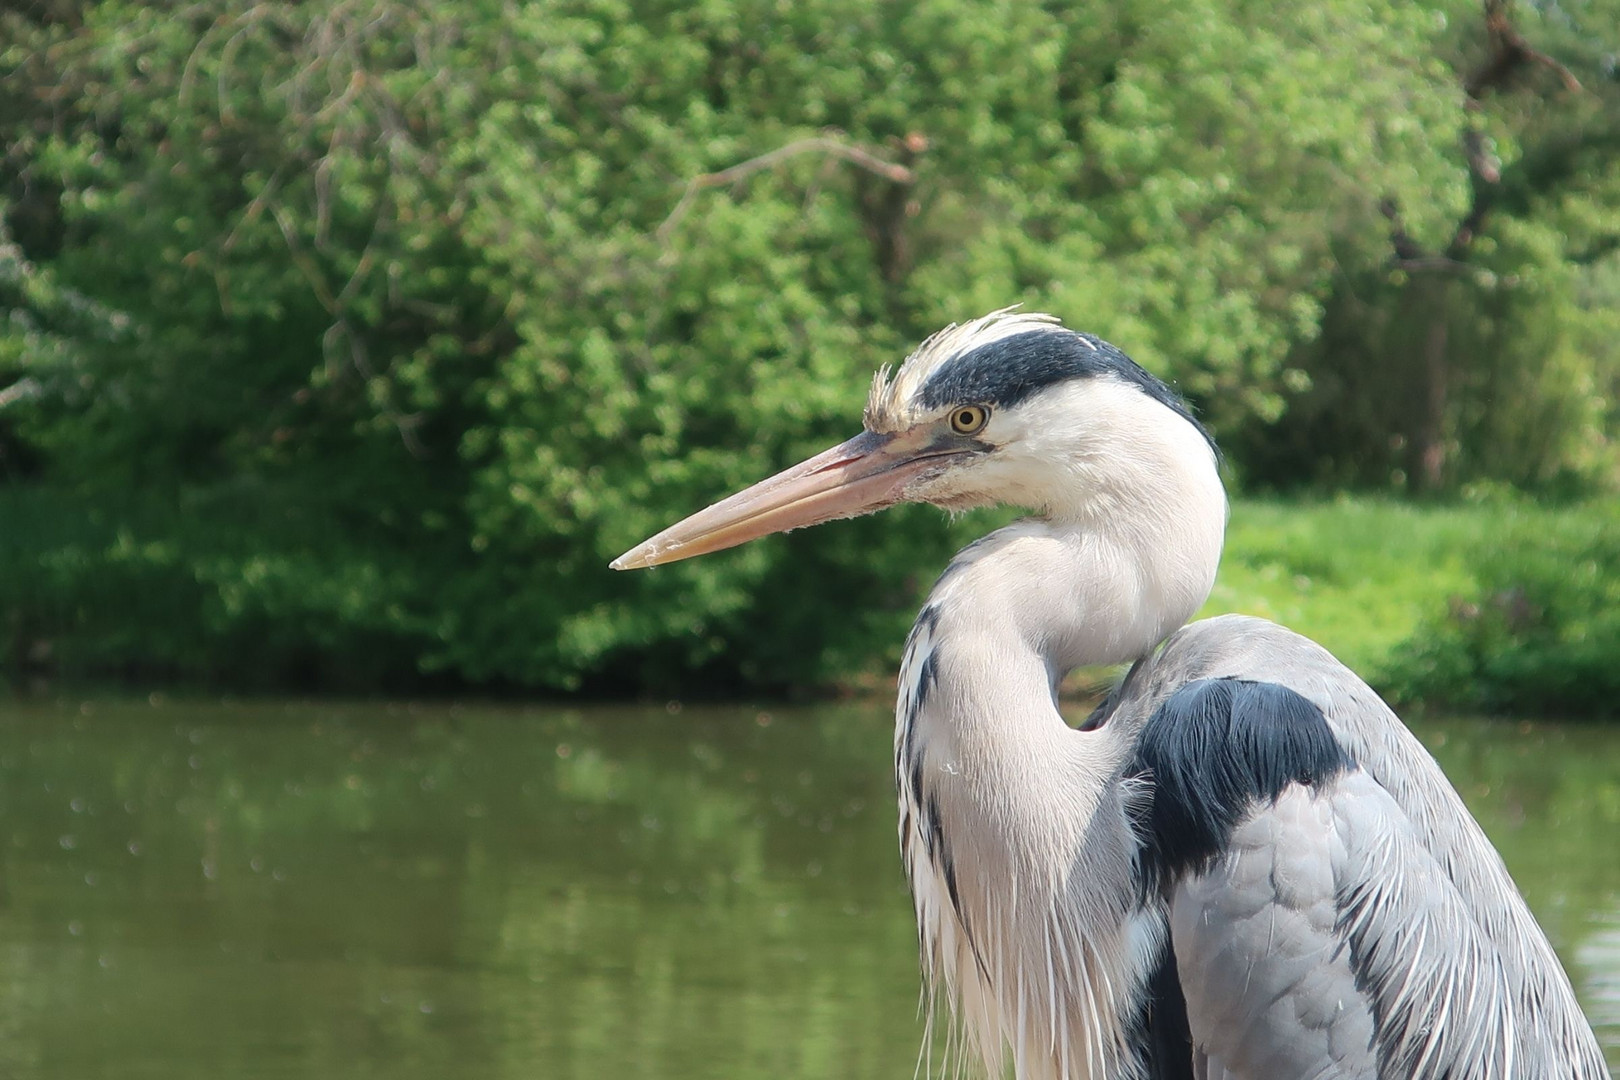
column 1270, row 988
column 1437, row 978
column 1418, row 884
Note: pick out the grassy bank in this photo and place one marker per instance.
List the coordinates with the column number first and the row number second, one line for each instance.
column 1359, row 576
column 1506, row 606
column 1501, row 607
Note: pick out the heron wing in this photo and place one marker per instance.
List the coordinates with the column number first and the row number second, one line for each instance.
column 1350, row 902
column 1326, row 940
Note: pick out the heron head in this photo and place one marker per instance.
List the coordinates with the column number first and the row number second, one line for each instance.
column 1010, row 408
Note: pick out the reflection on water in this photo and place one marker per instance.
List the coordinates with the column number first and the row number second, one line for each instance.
column 1598, row 958
column 339, row 891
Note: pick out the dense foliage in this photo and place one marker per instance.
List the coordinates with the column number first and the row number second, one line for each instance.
column 1538, row 633
column 348, row 341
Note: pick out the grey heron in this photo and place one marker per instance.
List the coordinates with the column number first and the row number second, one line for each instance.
column 1242, row 864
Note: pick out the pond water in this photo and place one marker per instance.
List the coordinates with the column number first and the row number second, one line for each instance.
column 312, row 890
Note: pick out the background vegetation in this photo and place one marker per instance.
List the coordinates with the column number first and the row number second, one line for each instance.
column 347, row 341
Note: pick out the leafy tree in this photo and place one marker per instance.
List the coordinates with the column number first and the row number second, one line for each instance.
column 1113, row 165
column 350, row 340
column 1480, row 347
column 250, row 196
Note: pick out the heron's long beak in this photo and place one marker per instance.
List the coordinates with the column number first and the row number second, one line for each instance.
column 867, row 473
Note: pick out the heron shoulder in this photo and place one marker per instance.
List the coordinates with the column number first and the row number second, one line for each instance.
column 1247, row 647
column 1214, row 752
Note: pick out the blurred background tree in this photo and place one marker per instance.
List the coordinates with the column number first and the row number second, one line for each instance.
column 347, row 341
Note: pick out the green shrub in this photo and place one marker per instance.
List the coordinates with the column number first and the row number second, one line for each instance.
column 148, row 591
column 1540, row 631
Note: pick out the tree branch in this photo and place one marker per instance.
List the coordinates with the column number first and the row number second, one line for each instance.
column 1430, row 263
column 819, row 144
column 1511, row 52
column 1406, row 248
column 23, row 389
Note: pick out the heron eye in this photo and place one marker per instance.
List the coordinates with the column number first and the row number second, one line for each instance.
column 969, row 419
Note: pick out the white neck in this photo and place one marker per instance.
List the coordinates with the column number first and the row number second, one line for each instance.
column 1027, row 807
column 1127, row 549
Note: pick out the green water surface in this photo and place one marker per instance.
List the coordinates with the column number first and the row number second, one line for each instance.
column 314, row 890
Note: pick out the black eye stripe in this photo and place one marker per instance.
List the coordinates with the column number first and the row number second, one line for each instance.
column 1006, row 372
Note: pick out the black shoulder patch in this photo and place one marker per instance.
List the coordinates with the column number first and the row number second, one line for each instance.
column 1006, row 372
column 1213, row 750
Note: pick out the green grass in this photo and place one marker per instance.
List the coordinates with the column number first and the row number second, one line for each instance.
column 1501, row 606
column 1360, row 576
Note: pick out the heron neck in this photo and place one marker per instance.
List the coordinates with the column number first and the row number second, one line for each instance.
column 1081, row 590
column 1008, row 815
column 1019, row 609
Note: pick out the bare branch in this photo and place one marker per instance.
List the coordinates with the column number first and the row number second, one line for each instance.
column 819, row 144
column 1406, row 248
column 1510, row 52
column 22, row 390
column 301, row 259
column 246, row 23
